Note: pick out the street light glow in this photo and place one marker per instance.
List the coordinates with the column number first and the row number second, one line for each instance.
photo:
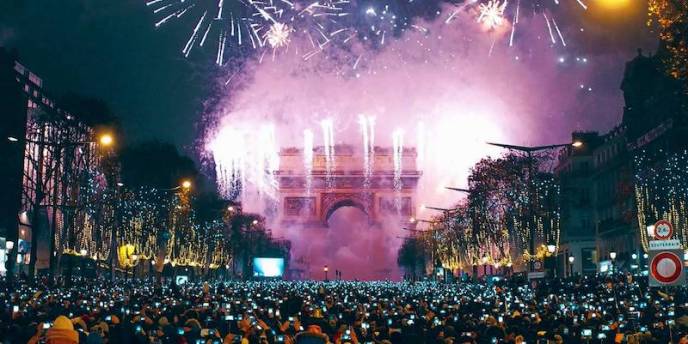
column 571, row 259
column 106, row 140
column 186, row 184
column 551, row 248
column 12, row 139
column 612, row 255
column 577, row 144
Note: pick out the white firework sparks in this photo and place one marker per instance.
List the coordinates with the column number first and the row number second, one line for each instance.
column 278, row 35
column 255, row 24
column 492, row 13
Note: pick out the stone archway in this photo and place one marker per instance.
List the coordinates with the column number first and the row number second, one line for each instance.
column 309, row 197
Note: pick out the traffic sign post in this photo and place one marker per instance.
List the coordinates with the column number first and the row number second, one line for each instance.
column 665, row 257
column 666, row 268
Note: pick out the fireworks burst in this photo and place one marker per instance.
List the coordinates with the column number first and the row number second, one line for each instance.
column 238, row 24
column 278, row 35
column 492, row 13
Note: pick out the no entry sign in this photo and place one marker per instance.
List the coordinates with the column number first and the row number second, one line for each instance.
column 666, row 268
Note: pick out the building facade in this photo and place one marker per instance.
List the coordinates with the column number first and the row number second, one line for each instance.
column 616, row 185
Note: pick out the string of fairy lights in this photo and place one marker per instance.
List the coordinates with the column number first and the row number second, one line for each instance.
column 495, row 224
column 661, row 191
column 153, row 225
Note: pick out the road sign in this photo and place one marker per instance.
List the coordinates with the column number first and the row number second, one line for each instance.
column 536, row 275
column 537, row 265
column 666, row 268
column 660, row 245
column 663, row 230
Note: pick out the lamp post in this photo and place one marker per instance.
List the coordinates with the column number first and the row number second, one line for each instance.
column 612, row 255
column 134, row 258
column 326, row 269
column 531, row 185
column 571, row 259
column 83, row 253
column 551, row 248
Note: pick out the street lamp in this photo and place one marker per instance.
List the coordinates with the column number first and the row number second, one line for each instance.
column 106, row 140
column 571, row 259
column 612, row 255
column 326, row 269
column 551, row 248
column 186, row 184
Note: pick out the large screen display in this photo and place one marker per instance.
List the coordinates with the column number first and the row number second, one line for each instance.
column 268, row 267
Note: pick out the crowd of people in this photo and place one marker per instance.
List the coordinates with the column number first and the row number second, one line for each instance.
column 582, row 310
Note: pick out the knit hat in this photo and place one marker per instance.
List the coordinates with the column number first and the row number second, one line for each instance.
column 114, row 319
column 62, row 331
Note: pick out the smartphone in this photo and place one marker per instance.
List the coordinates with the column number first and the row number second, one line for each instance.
column 229, row 317
column 108, row 318
column 280, row 338
column 586, row 332
column 180, row 331
column 291, row 319
column 15, row 309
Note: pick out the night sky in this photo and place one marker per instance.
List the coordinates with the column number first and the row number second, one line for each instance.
column 111, row 50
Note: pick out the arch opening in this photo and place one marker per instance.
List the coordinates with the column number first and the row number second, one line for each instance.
column 346, row 203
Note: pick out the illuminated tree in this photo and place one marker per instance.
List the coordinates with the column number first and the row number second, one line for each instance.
column 671, row 19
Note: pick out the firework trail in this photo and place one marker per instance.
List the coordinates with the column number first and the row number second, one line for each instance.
column 261, row 25
column 398, row 153
column 242, row 157
column 308, row 158
column 367, row 124
column 328, row 146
